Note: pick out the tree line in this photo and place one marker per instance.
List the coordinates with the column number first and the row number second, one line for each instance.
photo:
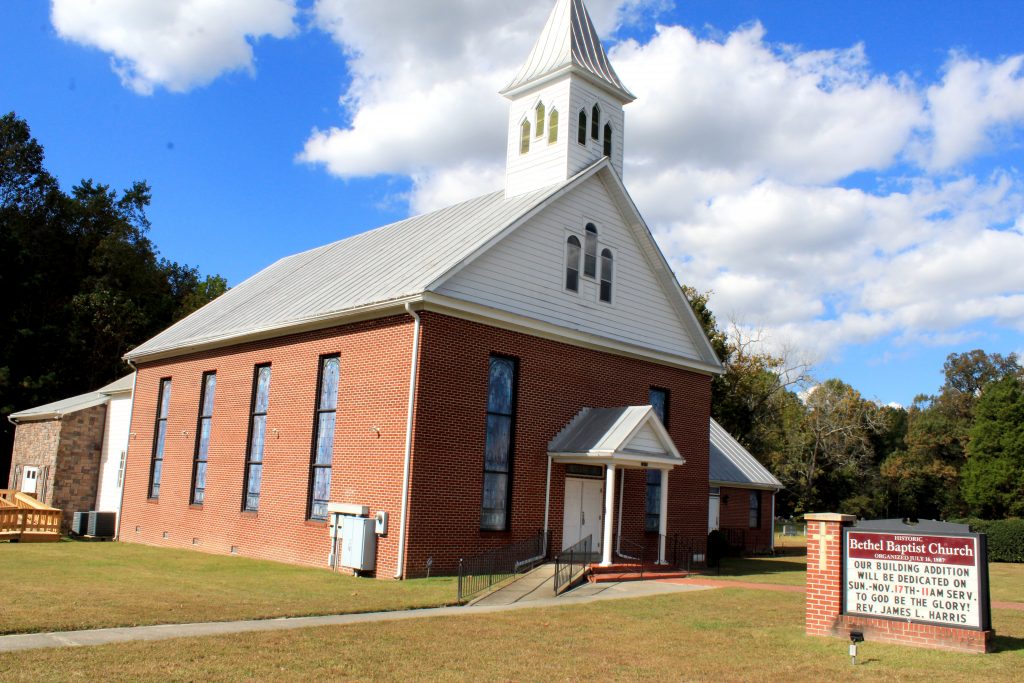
column 951, row 454
column 82, row 282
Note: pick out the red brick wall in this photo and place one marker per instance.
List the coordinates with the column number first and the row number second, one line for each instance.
column 556, row 380
column 823, row 616
column 734, row 514
column 366, row 469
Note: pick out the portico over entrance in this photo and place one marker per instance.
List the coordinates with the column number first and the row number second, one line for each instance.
column 615, row 439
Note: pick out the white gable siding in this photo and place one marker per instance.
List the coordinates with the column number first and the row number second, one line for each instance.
column 645, row 441
column 525, row 273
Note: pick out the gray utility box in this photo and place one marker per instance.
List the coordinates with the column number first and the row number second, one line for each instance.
column 358, row 543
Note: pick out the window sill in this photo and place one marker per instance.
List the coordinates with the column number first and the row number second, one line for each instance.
column 152, row 501
column 195, row 506
column 250, row 513
column 317, row 523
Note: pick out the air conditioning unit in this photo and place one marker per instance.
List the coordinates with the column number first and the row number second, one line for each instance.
column 79, row 523
column 94, row 524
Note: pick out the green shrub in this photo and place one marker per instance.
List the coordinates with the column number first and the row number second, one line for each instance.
column 1005, row 538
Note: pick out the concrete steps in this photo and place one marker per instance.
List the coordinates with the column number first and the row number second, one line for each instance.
column 631, row 572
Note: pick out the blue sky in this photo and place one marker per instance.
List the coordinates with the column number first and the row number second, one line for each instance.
column 844, row 176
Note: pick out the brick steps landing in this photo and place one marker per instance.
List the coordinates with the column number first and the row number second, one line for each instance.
column 631, row 572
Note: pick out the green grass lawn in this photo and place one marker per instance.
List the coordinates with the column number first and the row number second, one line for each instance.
column 721, row 635
column 79, row 585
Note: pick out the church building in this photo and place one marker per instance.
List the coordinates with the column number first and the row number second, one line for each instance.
column 522, row 364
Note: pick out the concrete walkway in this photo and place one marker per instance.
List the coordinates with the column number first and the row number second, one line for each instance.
column 583, row 594
column 537, row 584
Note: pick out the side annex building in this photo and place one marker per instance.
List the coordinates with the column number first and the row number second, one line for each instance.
column 520, row 363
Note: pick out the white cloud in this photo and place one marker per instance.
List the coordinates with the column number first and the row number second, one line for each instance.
column 175, row 45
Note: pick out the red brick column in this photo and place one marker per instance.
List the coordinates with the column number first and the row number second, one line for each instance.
column 824, row 571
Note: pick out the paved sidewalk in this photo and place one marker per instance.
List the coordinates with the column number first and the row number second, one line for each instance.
column 583, row 594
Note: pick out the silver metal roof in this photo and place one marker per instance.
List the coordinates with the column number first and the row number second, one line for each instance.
column 569, row 41
column 64, row 406
column 387, row 264
column 608, row 432
column 731, row 463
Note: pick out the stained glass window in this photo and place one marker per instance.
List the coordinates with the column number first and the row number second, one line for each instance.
column 658, row 399
column 257, row 438
column 595, row 122
column 553, row 127
column 159, row 437
column 524, row 137
column 581, row 130
column 608, row 140
column 498, row 444
column 755, row 510
column 539, row 122
column 572, row 263
column 206, row 392
column 323, row 437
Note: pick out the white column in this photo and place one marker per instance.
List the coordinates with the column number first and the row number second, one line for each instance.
column 663, row 517
column 609, row 515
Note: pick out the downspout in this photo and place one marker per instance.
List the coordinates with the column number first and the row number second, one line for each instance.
column 413, row 368
column 772, row 535
column 547, row 504
column 124, row 475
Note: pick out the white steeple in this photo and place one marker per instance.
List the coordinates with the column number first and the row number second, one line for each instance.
column 566, row 104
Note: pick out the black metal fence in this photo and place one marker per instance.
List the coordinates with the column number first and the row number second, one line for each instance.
column 572, row 560
column 494, row 566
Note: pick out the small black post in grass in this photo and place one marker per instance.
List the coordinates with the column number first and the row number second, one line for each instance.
column 855, row 637
column 430, row 563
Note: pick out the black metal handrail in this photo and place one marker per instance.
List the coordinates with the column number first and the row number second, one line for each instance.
column 494, row 566
column 685, row 553
column 571, row 560
column 637, row 552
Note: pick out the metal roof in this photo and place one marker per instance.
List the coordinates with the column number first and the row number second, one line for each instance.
column 53, row 410
column 609, row 431
column 731, row 463
column 383, row 265
column 569, row 42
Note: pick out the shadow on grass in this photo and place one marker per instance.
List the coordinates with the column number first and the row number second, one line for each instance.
column 756, row 566
column 1007, row 644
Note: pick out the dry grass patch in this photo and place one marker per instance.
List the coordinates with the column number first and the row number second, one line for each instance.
column 720, row 635
column 76, row 585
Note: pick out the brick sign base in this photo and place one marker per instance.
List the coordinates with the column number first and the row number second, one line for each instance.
column 824, row 615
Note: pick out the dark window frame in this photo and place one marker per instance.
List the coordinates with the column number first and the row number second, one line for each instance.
column 514, row 402
column 590, row 251
column 608, row 140
column 595, row 122
column 197, row 455
column 607, row 274
column 754, row 513
column 159, row 441
column 318, row 410
column 581, row 128
column 249, row 462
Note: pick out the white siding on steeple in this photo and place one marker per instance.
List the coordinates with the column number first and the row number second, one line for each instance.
column 525, row 274
column 545, row 164
column 584, row 96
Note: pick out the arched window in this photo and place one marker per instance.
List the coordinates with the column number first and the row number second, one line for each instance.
column 524, row 137
column 590, row 251
column 606, row 275
column 595, row 122
column 581, row 133
column 608, row 140
column 553, row 127
column 539, row 111
column 572, row 263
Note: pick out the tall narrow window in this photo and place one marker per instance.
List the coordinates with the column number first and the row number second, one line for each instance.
column 581, row 131
column 524, row 137
column 203, row 438
column 755, row 509
column 608, row 140
column 606, row 275
column 257, row 437
column 572, row 263
column 323, row 437
column 553, row 127
column 501, row 399
column 163, row 401
column 539, row 119
column 595, row 122
column 590, row 251
column 658, row 399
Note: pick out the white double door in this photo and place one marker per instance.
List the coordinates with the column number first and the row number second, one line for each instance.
column 584, row 515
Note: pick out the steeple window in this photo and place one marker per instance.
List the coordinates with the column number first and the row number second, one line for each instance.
column 539, row 111
column 572, row 263
column 606, row 275
column 595, row 123
column 553, row 127
column 608, row 140
column 581, row 134
column 590, row 251
column 524, row 137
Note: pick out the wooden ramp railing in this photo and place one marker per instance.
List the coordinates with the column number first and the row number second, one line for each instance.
column 23, row 518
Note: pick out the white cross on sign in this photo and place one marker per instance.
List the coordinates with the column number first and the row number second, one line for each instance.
column 823, row 540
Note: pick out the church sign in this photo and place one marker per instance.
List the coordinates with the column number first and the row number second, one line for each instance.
column 928, row 573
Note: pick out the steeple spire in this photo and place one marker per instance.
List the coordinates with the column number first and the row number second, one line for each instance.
column 566, row 105
column 568, row 43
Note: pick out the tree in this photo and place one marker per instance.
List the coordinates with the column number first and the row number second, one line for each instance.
column 82, row 281
column 993, row 476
